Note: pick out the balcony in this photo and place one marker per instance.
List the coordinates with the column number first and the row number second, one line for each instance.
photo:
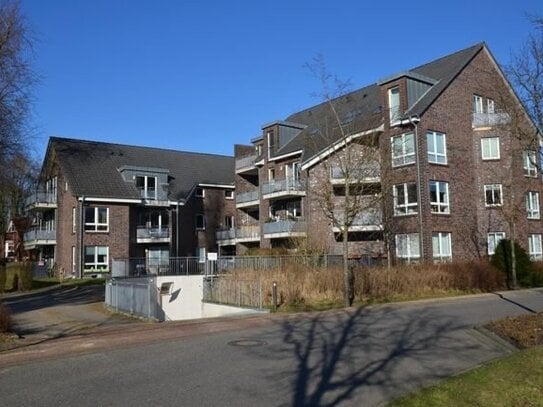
column 227, row 237
column 246, row 164
column 482, row 120
column 151, row 197
column 368, row 173
column 247, row 199
column 367, row 221
column 285, row 228
column 282, row 188
column 41, row 200
column 39, row 237
column 146, row 234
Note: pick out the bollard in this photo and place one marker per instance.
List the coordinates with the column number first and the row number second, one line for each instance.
column 274, row 296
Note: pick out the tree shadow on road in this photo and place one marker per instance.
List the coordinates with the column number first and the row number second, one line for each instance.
column 367, row 355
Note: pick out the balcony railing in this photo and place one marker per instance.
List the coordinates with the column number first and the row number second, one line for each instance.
column 244, row 233
column 244, row 197
column 285, row 227
column 283, row 186
column 36, row 237
column 152, row 234
column 42, row 199
column 245, row 162
column 367, row 218
column 490, row 119
column 225, row 234
column 366, row 172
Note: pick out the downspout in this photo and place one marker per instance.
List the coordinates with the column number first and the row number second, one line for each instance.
column 414, row 121
column 177, row 229
column 81, row 235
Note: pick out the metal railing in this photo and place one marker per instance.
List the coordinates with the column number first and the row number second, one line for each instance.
column 134, row 297
column 245, row 162
column 43, row 198
column 144, row 232
column 225, row 234
column 283, row 185
column 285, row 226
column 39, row 234
column 244, row 232
column 250, row 196
column 490, row 119
column 242, row 293
column 366, row 171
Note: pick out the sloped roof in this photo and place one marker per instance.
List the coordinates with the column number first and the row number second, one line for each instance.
column 92, row 168
column 362, row 109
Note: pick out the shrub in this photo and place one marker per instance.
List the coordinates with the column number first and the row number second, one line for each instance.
column 5, row 318
column 502, row 261
column 3, row 277
column 25, row 272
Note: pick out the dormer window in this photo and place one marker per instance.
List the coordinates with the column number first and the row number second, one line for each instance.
column 199, row 192
column 394, row 103
column 270, row 135
column 477, row 104
column 147, row 186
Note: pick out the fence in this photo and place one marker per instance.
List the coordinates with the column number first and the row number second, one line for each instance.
column 134, row 297
column 243, row 293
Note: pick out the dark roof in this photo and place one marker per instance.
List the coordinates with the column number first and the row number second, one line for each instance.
column 362, row 109
column 92, row 168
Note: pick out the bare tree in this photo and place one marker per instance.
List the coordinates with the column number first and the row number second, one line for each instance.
column 347, row 189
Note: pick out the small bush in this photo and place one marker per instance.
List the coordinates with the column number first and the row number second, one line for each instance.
column 25, row 273
column 502, row 261
column 3, row 278
column 5, row 318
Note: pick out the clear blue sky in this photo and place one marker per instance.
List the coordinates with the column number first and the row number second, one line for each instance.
column 204, row 75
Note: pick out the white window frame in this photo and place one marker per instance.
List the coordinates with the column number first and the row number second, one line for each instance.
column 477, row 104
column 410, row 243
column 490, row 106
column 228, row 194
column 229, row 222
column 532, row 205
column 529, row 161
column 199, row 192
column 97, row 226
column 148, row 193
column 435, row 157
column 493, row 188
column 437, row 205
column 394, row 109
column 203, row 222
column 492, row 241
column 406, row 208
column 74, row 262
column 442, row 246
column 535, row 249
column 95, row 265
column 74, row 222
column 405, row 157
column 486, row 146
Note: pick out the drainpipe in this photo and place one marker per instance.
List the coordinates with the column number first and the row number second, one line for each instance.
column 414, row 121
column 81, row 236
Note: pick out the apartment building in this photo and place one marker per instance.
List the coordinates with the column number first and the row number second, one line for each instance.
column 436, row 156
column 97, row 202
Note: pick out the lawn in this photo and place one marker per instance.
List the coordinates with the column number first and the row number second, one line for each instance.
column 516, row 380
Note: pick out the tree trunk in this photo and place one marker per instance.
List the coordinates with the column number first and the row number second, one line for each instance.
column 513, row 256
column 347, row 271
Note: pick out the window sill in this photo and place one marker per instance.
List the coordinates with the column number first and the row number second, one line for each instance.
column 403, row 165
column 440, row 164
column 403, row 215
column 97, row 231
column 441, row 213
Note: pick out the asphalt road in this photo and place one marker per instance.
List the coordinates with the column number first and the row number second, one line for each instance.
column 358, row 357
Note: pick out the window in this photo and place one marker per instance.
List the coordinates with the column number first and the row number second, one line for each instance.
column 490, row 148
column 96, row 258
column 229, row 193
column 199, row 192
column 493, row 195
column 394, row 103
column 74, row 258
column 534, row 247
column 407, row 246
column 258, row 150
column 200, row 222
column 439, row 196
column 270, row 135
column 96, row 219
column 441, row 246
column 73, row 220
column 492, row 240
column 271, row 174
column 229, row 222
column 201, row 253
column 477, row 104
column 490, row 106
column 147, row 186
column 437, row 149
column 294, row 209
column 532, row 205
column 403, row 149
column 405, row 199
column 530, row 163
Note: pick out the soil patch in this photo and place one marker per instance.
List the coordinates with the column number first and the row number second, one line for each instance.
column 523, row 331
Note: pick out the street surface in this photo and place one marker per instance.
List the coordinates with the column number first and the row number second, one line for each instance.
column 358, row 357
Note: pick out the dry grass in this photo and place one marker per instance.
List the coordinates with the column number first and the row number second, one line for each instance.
column 523, row 331
column 304, row 287
column 5, row 319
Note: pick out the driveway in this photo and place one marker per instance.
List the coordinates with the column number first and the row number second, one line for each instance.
column 356, row 357
column 58, row 312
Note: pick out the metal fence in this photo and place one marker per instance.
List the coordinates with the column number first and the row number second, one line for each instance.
column 136, row 297
column 242, row 293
